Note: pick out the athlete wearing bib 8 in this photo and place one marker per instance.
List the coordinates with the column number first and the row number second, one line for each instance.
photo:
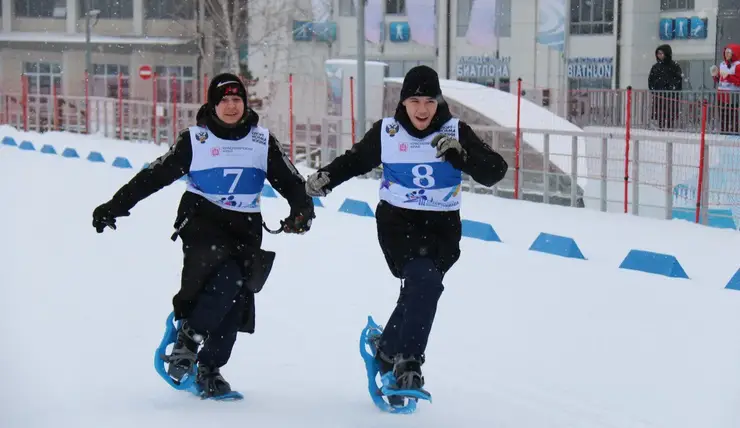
column 413, row 176
column 423, row 151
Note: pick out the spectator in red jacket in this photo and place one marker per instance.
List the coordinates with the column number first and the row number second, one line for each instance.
column 727, row 78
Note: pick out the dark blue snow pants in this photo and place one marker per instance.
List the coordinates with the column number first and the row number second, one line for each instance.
column 218, row 314
column 408, row 328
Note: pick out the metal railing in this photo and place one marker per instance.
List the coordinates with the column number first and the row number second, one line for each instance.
column 693, row 176
column 660, row 110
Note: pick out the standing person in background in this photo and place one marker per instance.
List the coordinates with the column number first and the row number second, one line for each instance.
column 666, row 78
column 727, row 78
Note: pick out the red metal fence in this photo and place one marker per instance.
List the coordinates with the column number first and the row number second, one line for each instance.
column 690, row 118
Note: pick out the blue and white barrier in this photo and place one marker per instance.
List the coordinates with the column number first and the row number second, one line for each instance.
column 557, row 245
column 563, row 246
column 655, row 263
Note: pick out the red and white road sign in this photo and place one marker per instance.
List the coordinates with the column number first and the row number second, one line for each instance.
column 145, row 72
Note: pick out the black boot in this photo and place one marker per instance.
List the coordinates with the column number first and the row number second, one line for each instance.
column 211, row 383
column 407, row 371
column 184, row 353
column 385, row 365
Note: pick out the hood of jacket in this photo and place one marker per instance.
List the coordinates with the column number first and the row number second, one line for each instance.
column 735, row 48
column 667, row 52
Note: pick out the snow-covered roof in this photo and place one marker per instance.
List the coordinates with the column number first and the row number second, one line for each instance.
column 352, row 62
column 500, row 107
column 50, row 37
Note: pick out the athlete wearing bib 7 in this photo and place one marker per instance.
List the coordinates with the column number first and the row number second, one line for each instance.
column 423, row 151
column 225, row 158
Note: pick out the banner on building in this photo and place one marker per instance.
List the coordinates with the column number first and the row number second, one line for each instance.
column 551, row 21
column 374, row 11
column 483, row 67
column 482, row 26
column 591, row 68
column 321, row 10
column 422, row 21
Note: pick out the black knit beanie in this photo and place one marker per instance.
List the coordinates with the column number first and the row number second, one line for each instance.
column 225, row 84
column 421, row 81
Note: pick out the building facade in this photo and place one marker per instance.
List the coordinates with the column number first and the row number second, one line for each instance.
column 608, row 44
column 46, row 41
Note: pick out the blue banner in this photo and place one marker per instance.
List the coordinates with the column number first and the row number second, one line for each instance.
column 683, row 28
column 591, row 68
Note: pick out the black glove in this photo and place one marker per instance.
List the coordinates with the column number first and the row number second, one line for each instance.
column 450, row 150
column 298, row 222
column 105, row 216
column 316, row 184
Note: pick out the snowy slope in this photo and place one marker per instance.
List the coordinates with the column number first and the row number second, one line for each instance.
column 522, row 339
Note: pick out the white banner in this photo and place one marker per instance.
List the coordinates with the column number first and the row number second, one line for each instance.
column 374, row 10
column 422, row 21
column 551, row 22
column 482, row 25
column 321, row 10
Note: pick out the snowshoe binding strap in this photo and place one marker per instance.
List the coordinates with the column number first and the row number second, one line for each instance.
column 160, row 358
column 211, row 383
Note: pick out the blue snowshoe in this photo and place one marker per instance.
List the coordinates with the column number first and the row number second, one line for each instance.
column 182, row 371
column 182, row 367
column 387, row 395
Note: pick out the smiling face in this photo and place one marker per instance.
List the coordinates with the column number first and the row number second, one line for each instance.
column 421, row 110
column 230, row 109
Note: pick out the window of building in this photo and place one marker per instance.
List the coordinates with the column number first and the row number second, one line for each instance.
column 104, row 80
column 392, row 7
column 41, row 75
column 399, row 68
column 220, row 58
column 728, row 7
column 346, row 7
column 395, row 7
column 501, row 83
column 109, row 9
column 503, row 13
column 176, row 83
column 696, row 76
column 669, row 5
column 591, row 17
column 589, row 84
column 169, row 9
column 34, row 8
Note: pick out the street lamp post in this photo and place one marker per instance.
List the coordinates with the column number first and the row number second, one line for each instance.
column 89, row 15
column 360, row 68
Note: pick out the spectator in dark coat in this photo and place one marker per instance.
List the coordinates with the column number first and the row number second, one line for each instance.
column 665, row 78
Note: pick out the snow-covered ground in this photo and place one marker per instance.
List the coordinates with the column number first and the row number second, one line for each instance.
column 522, row 339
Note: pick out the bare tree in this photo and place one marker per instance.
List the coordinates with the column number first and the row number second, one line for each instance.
column 229, row 20
column 271, row 29
column 230, row 25
column 266, row 26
